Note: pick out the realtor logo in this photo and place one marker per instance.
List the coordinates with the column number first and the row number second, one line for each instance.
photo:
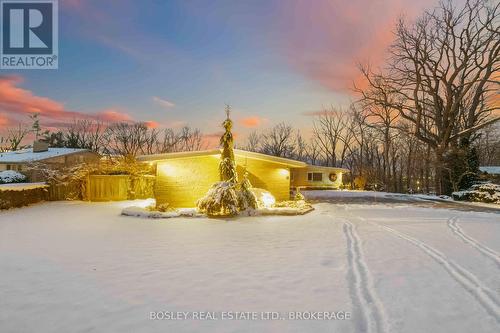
column 29, row 36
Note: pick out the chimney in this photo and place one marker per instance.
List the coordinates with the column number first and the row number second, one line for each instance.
column 39, row 146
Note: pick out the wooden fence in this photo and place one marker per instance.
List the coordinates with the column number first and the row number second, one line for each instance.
column 107, row 187
column 64, row 191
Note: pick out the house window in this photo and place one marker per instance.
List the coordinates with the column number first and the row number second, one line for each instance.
column 315, row 176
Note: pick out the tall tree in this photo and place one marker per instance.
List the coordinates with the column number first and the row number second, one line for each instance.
column 443, row 72
column 226, row 198
column 327, row 131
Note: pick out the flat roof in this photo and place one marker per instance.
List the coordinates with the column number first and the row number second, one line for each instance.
column 27, row 155
column 327, row 168
column 237, row 152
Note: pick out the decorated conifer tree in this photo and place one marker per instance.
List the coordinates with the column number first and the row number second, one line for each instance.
column 227, row 166
column 222, row 198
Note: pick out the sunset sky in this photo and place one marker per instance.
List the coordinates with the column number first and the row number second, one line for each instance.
column 178, row 62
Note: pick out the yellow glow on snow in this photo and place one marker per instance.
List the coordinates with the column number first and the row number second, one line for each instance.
column 268, row 200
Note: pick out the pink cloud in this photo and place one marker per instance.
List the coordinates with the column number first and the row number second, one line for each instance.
column 113, row 116
column 17, row 100
column 251, row 122
column 5, row 121
column 212, row 140
column 326, row 40
column 152, row 124
column 19, row 103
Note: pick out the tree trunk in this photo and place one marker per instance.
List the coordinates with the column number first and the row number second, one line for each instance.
column 427, row 169
column 438, row 171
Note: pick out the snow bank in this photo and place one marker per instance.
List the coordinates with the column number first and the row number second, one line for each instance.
column 146, row 212
column 192, row 212
column 288, row 211
column 285, row 208
column 486, row 193
column 11, row 176
column 325, row 194
column 22, row 186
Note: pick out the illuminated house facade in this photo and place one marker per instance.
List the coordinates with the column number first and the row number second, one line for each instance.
column 183, row 178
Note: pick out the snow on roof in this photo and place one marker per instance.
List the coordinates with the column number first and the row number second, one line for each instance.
column 27, row 155
column 313, row 168
column 492, row 170
column 237, row 152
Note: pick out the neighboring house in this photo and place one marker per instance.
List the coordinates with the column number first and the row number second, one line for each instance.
column 492, row 170
column 54, row 158
column 183, row 178
column 490, row 173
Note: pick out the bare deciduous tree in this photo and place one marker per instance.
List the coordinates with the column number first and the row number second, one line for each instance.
column 441, row 72
column 253, row 142
column 190, row 139
column 16, row 136
column 278, row 141
column 126, row 139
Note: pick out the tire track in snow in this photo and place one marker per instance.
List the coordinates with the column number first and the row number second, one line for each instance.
column 486, row 251
column 469, row 281
column 360, row 283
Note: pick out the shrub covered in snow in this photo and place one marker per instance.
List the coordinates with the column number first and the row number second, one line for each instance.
column 487, row 192
column 11, row 176
column 246, row 198
column 147, row 212
column 299, row 196
column 296, row 207
column 220, row 200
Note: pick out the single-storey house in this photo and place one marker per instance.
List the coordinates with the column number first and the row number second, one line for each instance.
column 183, row 178
column 53, row 158
column 490, row 173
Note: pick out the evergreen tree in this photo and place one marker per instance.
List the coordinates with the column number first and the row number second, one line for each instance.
column 246, row 198
column 223, row 198
column 227, row 165
column 472, row 163
column 462, row 167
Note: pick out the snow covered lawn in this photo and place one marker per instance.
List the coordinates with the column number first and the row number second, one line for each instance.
column 395, row 267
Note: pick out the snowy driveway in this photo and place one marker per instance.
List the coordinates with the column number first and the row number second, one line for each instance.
column 395, row 267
